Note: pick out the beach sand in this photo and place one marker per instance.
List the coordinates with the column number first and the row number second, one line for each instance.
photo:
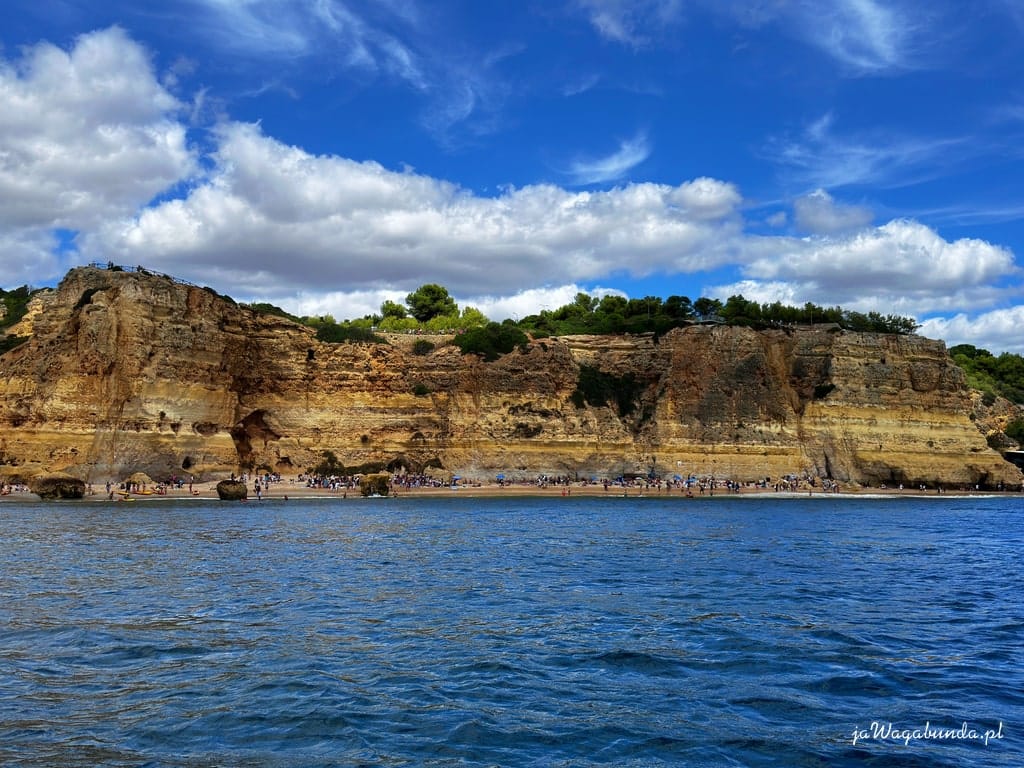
column 295, row 489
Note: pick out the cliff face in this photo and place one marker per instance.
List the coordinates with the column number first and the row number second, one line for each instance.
column 127, row 371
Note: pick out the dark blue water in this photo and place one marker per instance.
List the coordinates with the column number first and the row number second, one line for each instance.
column 524, row 632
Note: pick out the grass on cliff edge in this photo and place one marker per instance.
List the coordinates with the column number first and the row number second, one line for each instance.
column 14, row 305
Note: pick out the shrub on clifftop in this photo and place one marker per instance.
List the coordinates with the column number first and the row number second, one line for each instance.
column 492, row 340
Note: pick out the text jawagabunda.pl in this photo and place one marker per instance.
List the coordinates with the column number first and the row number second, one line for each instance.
column 889, row 732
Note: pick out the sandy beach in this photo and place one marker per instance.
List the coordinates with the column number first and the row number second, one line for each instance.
column 294, row 489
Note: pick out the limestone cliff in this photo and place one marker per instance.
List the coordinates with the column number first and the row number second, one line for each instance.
column 127, row 371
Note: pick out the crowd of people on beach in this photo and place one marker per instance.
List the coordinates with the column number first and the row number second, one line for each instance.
column 690, row 485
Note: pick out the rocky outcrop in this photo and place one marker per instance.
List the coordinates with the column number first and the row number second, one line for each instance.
column 377, row 484
column 232, row 490
column 127, row 371
column 56, row 487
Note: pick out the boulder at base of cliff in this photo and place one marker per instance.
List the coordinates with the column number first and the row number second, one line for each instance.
column 232, row 490
column 49, row 487
column 375, row 485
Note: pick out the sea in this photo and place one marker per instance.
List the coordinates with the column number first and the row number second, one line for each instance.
column 554, row 631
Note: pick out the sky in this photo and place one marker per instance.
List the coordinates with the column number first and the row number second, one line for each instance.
column 328, row 155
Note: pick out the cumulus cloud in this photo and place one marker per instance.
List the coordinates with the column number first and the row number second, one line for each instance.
column 533, row 300
column 819, row 214
column 338, row 222
column 86, row 134
column 902, row 266
column 28, row 256
column 997, row 331
column 91, row 142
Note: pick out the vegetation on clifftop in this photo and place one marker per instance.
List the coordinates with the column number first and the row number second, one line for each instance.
column 651, row 314
column 430, row 309
column 492, row 340
column 14, row 305
column 1001, row 376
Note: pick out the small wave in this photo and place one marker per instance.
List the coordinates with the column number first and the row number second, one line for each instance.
column 639, row 662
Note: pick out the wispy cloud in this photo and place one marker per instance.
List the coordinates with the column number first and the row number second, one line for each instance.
column 392, row 42
column 611, row 167
column 631, row 22
column 326, row 29
column 820, row 158
column 864, row 35
column 251, row 29
column 1014, row 10
column 580, row 85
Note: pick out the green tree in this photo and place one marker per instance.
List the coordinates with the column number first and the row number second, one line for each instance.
column 679, row 307
column 741, row 311
column 393, row 309
column 584, row 303
column 492, row 340
column 472, row 318
column 706, row 308
column 430, row 301
column 612, row 304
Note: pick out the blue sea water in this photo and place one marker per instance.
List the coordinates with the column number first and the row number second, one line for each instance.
column 513, row 632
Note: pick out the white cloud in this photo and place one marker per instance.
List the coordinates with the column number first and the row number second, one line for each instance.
column 257, row 27
column 819, row 214
column 89, row 137
column 341, row 305
column 997, row 331
column 327, row 29
column 611, row 167
column 359, row 303
column 86, row 134
column 631, row 22
column 533, row 300
column 27, row 257
column 456, row 89
column 327, row 221
column 863, row 35
column 820, row 158
column 1014, row 10
column 902, row 266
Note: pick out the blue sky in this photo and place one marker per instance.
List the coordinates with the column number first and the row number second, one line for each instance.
column 327, row 155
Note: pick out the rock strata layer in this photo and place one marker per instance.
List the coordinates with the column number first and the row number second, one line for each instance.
column 128, row 371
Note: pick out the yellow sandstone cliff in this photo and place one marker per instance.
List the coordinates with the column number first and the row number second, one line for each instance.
column 127, row 371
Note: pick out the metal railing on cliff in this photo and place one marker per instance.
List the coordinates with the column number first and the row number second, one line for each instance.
column 140, row 270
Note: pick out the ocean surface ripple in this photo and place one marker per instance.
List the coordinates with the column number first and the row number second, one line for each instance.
column 513, row 632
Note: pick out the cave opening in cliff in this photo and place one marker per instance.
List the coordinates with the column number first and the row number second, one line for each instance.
column 252, row 428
